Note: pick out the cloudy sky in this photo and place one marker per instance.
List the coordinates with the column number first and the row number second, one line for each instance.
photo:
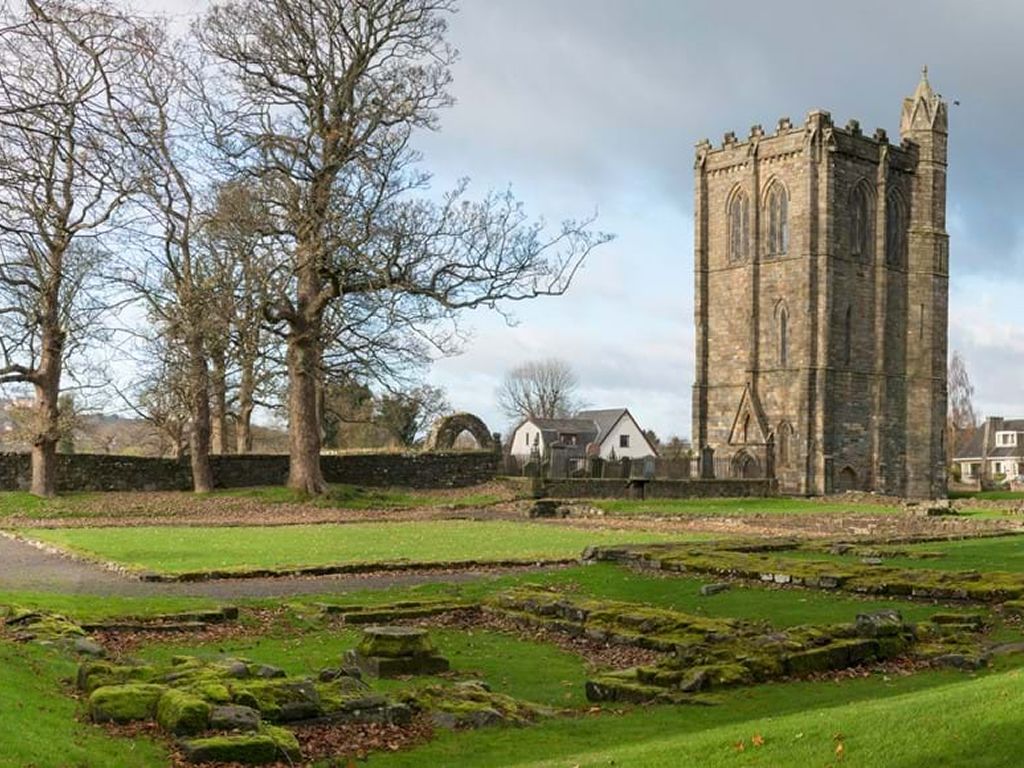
column 596, row 104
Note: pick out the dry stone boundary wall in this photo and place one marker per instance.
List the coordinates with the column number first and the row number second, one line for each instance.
column 100, row 472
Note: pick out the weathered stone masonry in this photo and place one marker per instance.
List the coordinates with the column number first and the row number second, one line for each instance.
column 97, row 472
column 821, row 266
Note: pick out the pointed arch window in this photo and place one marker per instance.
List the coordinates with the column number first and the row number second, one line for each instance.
column 777, row 219
column 746, row 428
column 784, row 444
column 848, row 337
column 739, row 228
column 861, row 222
column 783, row 337
column 895, row 232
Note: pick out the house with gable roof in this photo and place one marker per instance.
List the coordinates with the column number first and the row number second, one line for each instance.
column 993, row 451
column 607, row 433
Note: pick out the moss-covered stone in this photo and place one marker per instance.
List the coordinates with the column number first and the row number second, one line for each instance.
column 268, row 746
column 96, row 674
column 125, row 703
column 396, row 642
column 736, row 560
column 279, row 700
column 473, row 706
column 182, row 713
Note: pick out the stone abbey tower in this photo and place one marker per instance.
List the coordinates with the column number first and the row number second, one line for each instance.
column 821, row 263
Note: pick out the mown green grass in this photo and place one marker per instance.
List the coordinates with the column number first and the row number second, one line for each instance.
column 178, row 550
column 89, row 608
column 989, row 495
column 929, row 719
column 23, row 504
column 1004, row 553
column 532, row 671
column 38, row 725
column 782, row 607
column 742, row 506
column 358, row 497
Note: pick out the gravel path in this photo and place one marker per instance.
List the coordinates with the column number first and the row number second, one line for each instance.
column 29, row 569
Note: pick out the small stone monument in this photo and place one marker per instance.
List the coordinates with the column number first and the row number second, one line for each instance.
column 394, row 651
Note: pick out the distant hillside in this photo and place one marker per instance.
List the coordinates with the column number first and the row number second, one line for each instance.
column 114, row 434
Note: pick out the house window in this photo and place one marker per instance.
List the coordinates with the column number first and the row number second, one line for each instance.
column 739, row 228
column 777, row 235
column 1006, row 438
column 623, row 441
column 860, row 222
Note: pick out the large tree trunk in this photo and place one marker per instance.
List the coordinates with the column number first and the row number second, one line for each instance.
column 246, row 394
column 219, row 396
column 47, row 415
column 304, row 473
column 199, row 440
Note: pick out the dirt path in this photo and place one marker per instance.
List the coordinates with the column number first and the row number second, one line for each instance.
column 28, row 569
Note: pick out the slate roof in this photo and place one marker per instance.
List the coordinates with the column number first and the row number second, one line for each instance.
column 552, row 428
column 604, row 419
column 973, row 448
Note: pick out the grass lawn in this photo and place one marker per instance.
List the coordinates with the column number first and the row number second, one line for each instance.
column 24, row 504
column 744, row 506
column 532, row 671
column 923, row 721
column 89, row 608
column 989, row 495
column 180, row 550
column 782, row 607
column 38, row 727
column 358, row 497
column 1004, row 553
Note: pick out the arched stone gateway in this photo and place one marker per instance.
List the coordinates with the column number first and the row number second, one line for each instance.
column 448, row 428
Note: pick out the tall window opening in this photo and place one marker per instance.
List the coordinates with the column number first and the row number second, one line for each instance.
column 783, row 338
column 777, row 236
column 848, row 336
column 861, row 222
column 739, row 228
column 895, row 232
column 783, row 446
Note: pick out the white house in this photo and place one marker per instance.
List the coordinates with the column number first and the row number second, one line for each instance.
column 609, row 433
column 996, row 449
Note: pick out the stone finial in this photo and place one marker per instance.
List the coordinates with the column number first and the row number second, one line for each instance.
column 729, row 139
column 881, row 136
column 925, row 110
column 819, row 116
column 853, row 126
column 784, row 124
column 756, row 131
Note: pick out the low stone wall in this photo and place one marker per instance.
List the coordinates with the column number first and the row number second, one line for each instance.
column 100, row 472
column 604, row 488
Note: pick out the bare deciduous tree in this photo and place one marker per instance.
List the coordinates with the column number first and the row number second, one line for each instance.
column 961, row 419
column 543, row 389
column 62, row 179
column 319, row 102
column 241, row 253
column 178, row 292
